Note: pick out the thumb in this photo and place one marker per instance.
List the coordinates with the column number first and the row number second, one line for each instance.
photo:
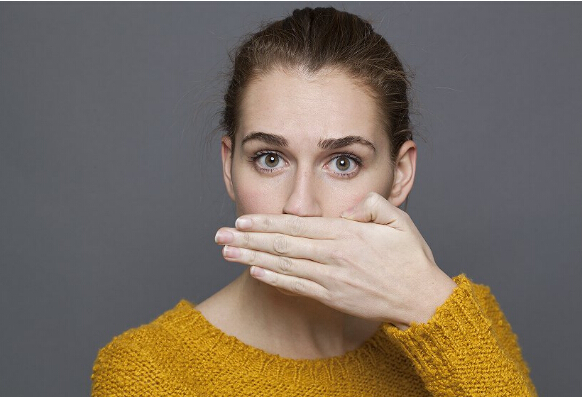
column 374, row 208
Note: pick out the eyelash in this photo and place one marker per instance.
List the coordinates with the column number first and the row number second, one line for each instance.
column 253, row 159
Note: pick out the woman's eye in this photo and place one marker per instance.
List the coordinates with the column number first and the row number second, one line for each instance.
column 269, row 161
column 343, row 165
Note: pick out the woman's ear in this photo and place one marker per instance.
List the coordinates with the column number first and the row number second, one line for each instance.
column 226, row 151
column 403, row 173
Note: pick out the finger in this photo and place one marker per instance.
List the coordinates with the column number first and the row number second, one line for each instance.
column 292, row 284
column 310, row 227
column 279, row 264
column 277, row 244
column 375, row 208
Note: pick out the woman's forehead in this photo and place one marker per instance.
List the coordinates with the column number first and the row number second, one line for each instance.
column 330, row 105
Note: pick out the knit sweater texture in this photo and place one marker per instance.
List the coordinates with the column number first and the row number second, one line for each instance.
column 466, row 349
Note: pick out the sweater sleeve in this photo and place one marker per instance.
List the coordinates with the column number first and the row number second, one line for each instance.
column 467, row 348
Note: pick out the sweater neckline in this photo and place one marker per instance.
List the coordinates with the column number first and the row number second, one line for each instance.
column 368, row 351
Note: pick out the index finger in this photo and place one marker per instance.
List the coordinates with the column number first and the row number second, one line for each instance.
column 310, row 227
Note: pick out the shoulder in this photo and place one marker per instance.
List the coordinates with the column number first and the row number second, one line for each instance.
column 136, row 360
column 170, row 322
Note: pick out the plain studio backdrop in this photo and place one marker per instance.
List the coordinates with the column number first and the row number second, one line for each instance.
column 110, row 194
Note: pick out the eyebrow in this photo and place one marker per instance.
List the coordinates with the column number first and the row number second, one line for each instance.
column 327, row 144
column 271, row 139
column 345, row 141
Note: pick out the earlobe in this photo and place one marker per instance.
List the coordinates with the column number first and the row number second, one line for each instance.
column 404, row 172
column 226, row 152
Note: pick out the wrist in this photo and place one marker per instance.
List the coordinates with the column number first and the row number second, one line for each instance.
column 429, row 298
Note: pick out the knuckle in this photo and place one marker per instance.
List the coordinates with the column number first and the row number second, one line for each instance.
column 372, row 199
column 285, row 265
column 298, row 287
column 274, row 280
column 337, row 255
column 252, row 257
column 363, row 235
column 280, row 244
column 246, row 239
column 295, row 225
column 328, row 274
column 327, row 297
column 267, row 222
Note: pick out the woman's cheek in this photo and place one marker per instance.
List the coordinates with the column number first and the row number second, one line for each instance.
column 343, row 195
column 347, row 195
column 257, row 199
column 334, row 210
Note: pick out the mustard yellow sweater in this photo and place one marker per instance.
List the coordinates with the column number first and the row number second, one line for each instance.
column 466, row 349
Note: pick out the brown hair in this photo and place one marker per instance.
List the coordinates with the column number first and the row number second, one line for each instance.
column 311, row 39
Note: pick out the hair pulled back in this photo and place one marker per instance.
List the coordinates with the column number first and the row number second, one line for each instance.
column 312, row 39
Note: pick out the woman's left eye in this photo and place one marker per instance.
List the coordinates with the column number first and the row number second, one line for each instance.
column 344, row 165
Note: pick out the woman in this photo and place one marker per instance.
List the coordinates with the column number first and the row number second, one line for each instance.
column 342, row 295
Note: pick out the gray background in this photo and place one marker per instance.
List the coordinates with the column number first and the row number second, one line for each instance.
column 110, row 194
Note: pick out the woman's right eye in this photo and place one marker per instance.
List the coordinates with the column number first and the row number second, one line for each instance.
column 268, row 162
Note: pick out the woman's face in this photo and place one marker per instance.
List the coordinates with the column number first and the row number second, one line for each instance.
column 307, row 145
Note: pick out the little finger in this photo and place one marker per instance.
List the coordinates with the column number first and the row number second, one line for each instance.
column 296, row 285
column 279, row 264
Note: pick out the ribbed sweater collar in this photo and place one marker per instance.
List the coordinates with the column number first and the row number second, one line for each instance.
column 198, row 335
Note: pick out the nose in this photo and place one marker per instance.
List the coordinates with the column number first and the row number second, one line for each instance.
column 303, row 199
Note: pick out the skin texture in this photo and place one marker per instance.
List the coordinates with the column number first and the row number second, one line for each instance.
column 310, row 174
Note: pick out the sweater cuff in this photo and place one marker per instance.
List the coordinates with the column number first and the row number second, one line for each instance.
column 453, row 338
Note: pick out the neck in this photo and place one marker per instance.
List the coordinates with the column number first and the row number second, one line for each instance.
column 290, row 325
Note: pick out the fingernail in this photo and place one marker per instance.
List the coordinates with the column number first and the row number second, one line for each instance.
column 223, row 237
column 230, row 252
column 257, row 271
column 243, row 223
column 347, row 213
